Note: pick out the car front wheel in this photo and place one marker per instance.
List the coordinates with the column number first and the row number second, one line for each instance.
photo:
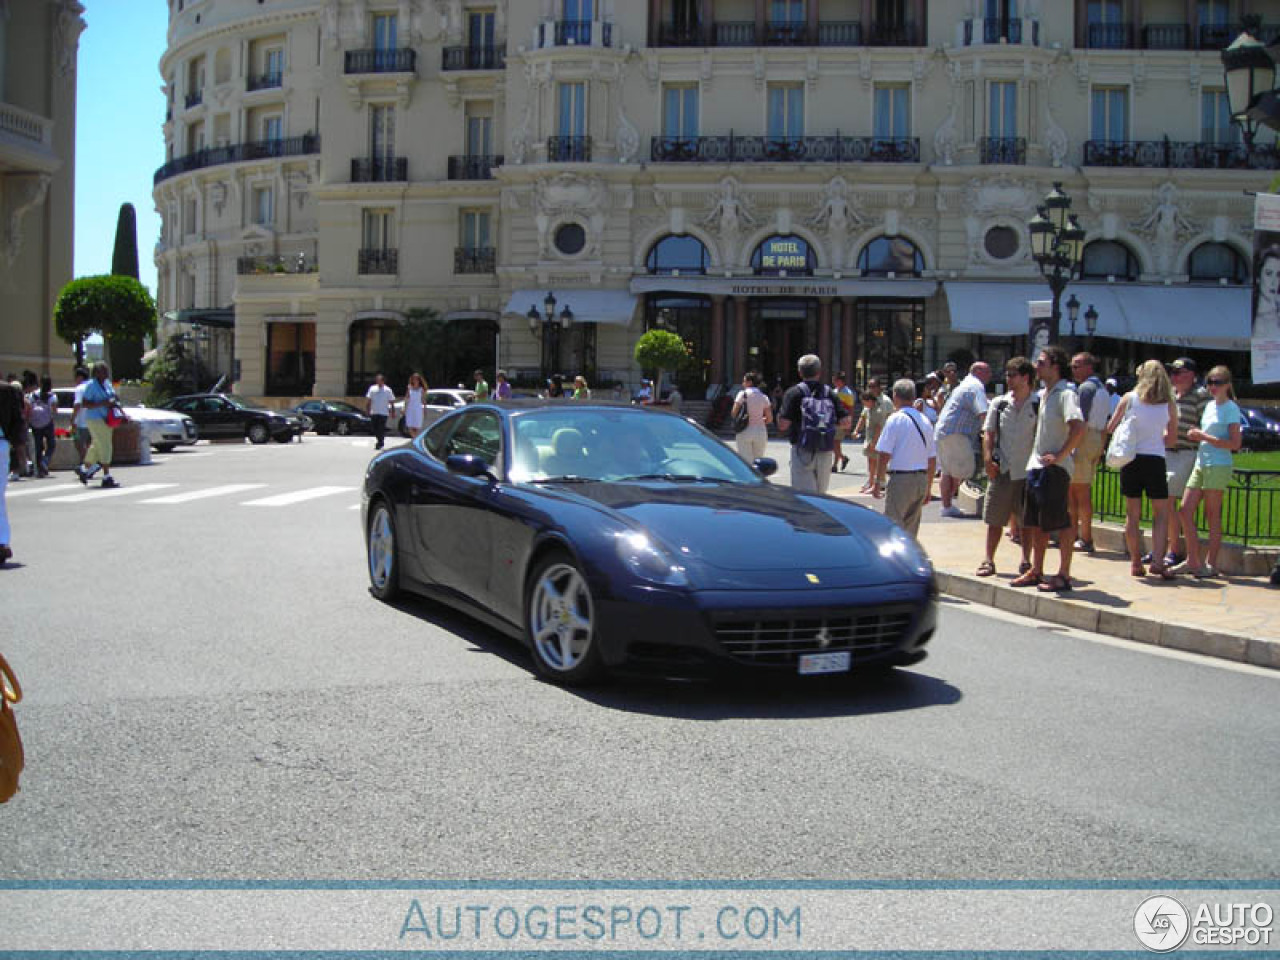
column 560, row 623
column 384, row 565
column 258, row 433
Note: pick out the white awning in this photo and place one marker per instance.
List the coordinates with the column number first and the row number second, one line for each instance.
column 1212, row 318
column 615, row 307
column 906, row 287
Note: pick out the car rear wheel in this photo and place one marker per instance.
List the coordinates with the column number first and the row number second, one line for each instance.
column 258, row 433
column 384, row 565
column 342, row 428
column 560, row 622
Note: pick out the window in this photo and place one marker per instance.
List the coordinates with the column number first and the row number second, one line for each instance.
column 273, row 127
column 892, row 111
column 263, row 206
column 291, row 359
column 474, row 229
column 384, row 31
column 1110, row 120
column 364, row 344
column 273, row 63
column 195, row 137
column 478, row 433
column 786, row 11
column 195, row 77
column 572, row 109
column 1106, row 26
column 680, row 111
column 1211, row 262
column 479, row 130
column 480, row 25
column 382, row 132
column 1107, row 258
column 1215, row 118
column 376, row 229
column 578, row 10
column 683, row 254
column 189, row 216
column 885, row 255
column 786, row 111
column 1002, row 109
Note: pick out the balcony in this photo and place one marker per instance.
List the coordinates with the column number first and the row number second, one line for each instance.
column 575, row 33
column 568, row 149
column 379, row 169
column 378, row 260
column 403, row 60
column 1002, row 150
column 474, row 58
column 994, row 30
column 26, row 140
column 475, row 260
column 239, row 153
column 194, row 99
column 257, row 266
column 1109, row 36
column 832, row 149
column 895, row 35
column 265, row 81
column 1192, row 155
column 473, row 167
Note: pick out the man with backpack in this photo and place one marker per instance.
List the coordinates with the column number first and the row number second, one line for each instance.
column 1095, row 405
column 809, row 416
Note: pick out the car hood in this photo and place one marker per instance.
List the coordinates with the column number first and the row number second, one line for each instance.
column 738, row 532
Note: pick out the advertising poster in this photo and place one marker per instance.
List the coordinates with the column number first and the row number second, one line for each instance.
column 1266, row 289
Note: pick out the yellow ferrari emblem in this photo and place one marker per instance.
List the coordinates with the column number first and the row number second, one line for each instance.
column 812, row 578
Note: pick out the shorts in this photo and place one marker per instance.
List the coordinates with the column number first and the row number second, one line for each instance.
column 1005, row 498
column 1045, row 505
column 1178, row 466
column 1210, row 478
column 1086, row 457
column 1145, row 473
column 956, row 457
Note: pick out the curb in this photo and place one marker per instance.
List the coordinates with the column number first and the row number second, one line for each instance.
column 1258, row 651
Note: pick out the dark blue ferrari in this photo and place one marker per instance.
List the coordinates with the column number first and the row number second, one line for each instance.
column 622, row 538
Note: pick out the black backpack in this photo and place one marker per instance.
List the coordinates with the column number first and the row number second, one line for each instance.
column 817, row 419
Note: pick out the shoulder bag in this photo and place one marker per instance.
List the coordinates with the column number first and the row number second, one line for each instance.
column 1124, row 444
column 11, row 756
column 115, row 416
column 742, row 419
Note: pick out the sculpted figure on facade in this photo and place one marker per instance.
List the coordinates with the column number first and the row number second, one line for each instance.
column 1163, row 224
column 728, row 214
column 67, row 30
column 19, row 192
column 836, row 214
column 628, row 139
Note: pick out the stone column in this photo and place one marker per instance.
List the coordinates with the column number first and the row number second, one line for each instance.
column 717, row 340
column 739, row 335
column 846, row 340
column 824, row 335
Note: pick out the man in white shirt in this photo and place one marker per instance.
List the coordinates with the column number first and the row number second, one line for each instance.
column 79, row 417
column 907, row 448
column 377, row 403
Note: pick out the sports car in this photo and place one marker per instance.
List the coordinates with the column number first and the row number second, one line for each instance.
column 612, row 538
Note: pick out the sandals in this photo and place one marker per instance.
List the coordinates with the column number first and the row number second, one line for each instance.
column 1028, row 579
column 1055, row 584
column 1024, row 566
column 1162, row 571
column 1137, row 570
column 986, row 569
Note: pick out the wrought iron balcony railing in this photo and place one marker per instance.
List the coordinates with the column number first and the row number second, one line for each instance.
column 1109, row 36
column 1002, row 150
column 299, row 263
column 569, row 149
column 473, row 167
column 238, row 153
column 670, row 35
column 475, row 260
column 1166, row 36
column 840, row 33
column 742, row 33
column 831, row 149
column 730, row 33
column 578, row 33
column 402, row 60
column 474, row 58
column 264, row 81
column 378, row 260
column 1179, row 155
column 996, row 30
column 894, row 35
column 194, row 99
column 379, row 169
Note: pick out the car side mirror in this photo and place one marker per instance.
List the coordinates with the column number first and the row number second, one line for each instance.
column 766, row 465
column 468, row 465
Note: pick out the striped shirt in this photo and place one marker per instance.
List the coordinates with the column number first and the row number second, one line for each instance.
column 1190, row 412
column 964, row 410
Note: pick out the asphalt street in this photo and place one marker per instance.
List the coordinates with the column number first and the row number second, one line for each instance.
column 212, row 693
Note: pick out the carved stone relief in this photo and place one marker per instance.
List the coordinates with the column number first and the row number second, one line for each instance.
column 570, row 197
column 1165, row 226
column 21, row 192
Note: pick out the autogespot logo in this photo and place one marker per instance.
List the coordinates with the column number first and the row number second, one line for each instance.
column 1161, row 923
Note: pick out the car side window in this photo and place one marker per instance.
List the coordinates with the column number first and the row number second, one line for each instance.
column 434, row 440
column 479, row 434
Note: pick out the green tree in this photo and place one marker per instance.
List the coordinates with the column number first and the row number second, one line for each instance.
column 125, row 352
column 173, row 371
column 660, row 350
column 117, row 307
column 423, row 343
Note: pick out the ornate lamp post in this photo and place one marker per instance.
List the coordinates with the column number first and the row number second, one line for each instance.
column 1073, row 314
column 1057, row 244
column 1090, row 327
column 544, row 324
column 1251, row 79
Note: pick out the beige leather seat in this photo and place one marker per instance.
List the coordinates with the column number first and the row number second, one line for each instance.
column 568, row 458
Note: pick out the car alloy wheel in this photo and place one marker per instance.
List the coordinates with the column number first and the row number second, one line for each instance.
column 384, row 567
column 561, row 623
column 258, row 433
column 342, row 428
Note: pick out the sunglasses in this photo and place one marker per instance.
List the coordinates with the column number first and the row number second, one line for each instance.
column 1218, row 383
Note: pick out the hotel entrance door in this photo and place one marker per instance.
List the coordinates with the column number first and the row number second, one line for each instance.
column 779, row 333
column 890, row 339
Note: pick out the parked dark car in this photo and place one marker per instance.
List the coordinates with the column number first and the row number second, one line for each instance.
column 612, row 537
column 335, row 416
column 222, row 415
column 1259, row 432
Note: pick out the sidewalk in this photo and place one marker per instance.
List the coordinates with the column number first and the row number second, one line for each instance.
column 1234, row 618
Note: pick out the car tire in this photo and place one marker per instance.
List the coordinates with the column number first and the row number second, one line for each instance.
column 560, row 623
column 258, row 433
column 165, row 447
column 382, row 552
column 342, row 428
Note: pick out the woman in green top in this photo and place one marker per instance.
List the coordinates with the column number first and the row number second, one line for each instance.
column 580, row 391
column 1219, row 436
column 481, row 387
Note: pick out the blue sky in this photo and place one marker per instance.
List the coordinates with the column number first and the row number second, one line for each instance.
column 119, row 136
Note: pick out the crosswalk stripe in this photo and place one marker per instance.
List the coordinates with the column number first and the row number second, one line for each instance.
column 34, row 488
column 298, row 496
column 203, row 494
column 100, row 494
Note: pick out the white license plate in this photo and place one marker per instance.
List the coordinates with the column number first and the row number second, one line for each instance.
column 837, row 662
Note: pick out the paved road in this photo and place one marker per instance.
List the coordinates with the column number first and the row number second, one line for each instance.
column 212, row 693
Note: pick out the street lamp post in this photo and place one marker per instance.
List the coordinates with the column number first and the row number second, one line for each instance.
column 1090, row 327
column 1251, row 78
column 1057, row 244
column 544, row 325
column 1073, row 314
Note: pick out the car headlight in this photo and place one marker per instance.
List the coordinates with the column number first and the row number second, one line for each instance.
column 649, row 561
column 901, row 546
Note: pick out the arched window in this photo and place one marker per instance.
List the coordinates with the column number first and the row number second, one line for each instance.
column 678, row 252
column 886, row 255
column 790, row 255
column 1107, row 258
column 1211, row 262
column 363, row 343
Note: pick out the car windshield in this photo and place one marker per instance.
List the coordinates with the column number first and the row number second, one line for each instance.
column 342, row 406
column 619, row 445
column 241, row 402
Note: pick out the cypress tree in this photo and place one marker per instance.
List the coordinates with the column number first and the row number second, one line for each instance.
column 125, row 354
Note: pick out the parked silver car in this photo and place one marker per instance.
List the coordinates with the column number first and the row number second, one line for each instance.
column 163, row 429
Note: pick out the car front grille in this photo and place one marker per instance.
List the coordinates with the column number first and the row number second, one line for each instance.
column 783, row 640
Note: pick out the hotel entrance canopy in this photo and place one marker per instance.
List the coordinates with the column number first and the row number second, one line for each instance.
column 1211, row 318
column 784, row 286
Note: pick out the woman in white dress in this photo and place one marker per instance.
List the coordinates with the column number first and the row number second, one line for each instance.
column 415, row 402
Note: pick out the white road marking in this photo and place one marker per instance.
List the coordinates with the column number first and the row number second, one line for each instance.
column 203, row 494
column 96, row 493
column 37, row 488
column 298, row 496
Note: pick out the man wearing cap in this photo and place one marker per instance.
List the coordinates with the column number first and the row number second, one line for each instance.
column 1180, row 459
